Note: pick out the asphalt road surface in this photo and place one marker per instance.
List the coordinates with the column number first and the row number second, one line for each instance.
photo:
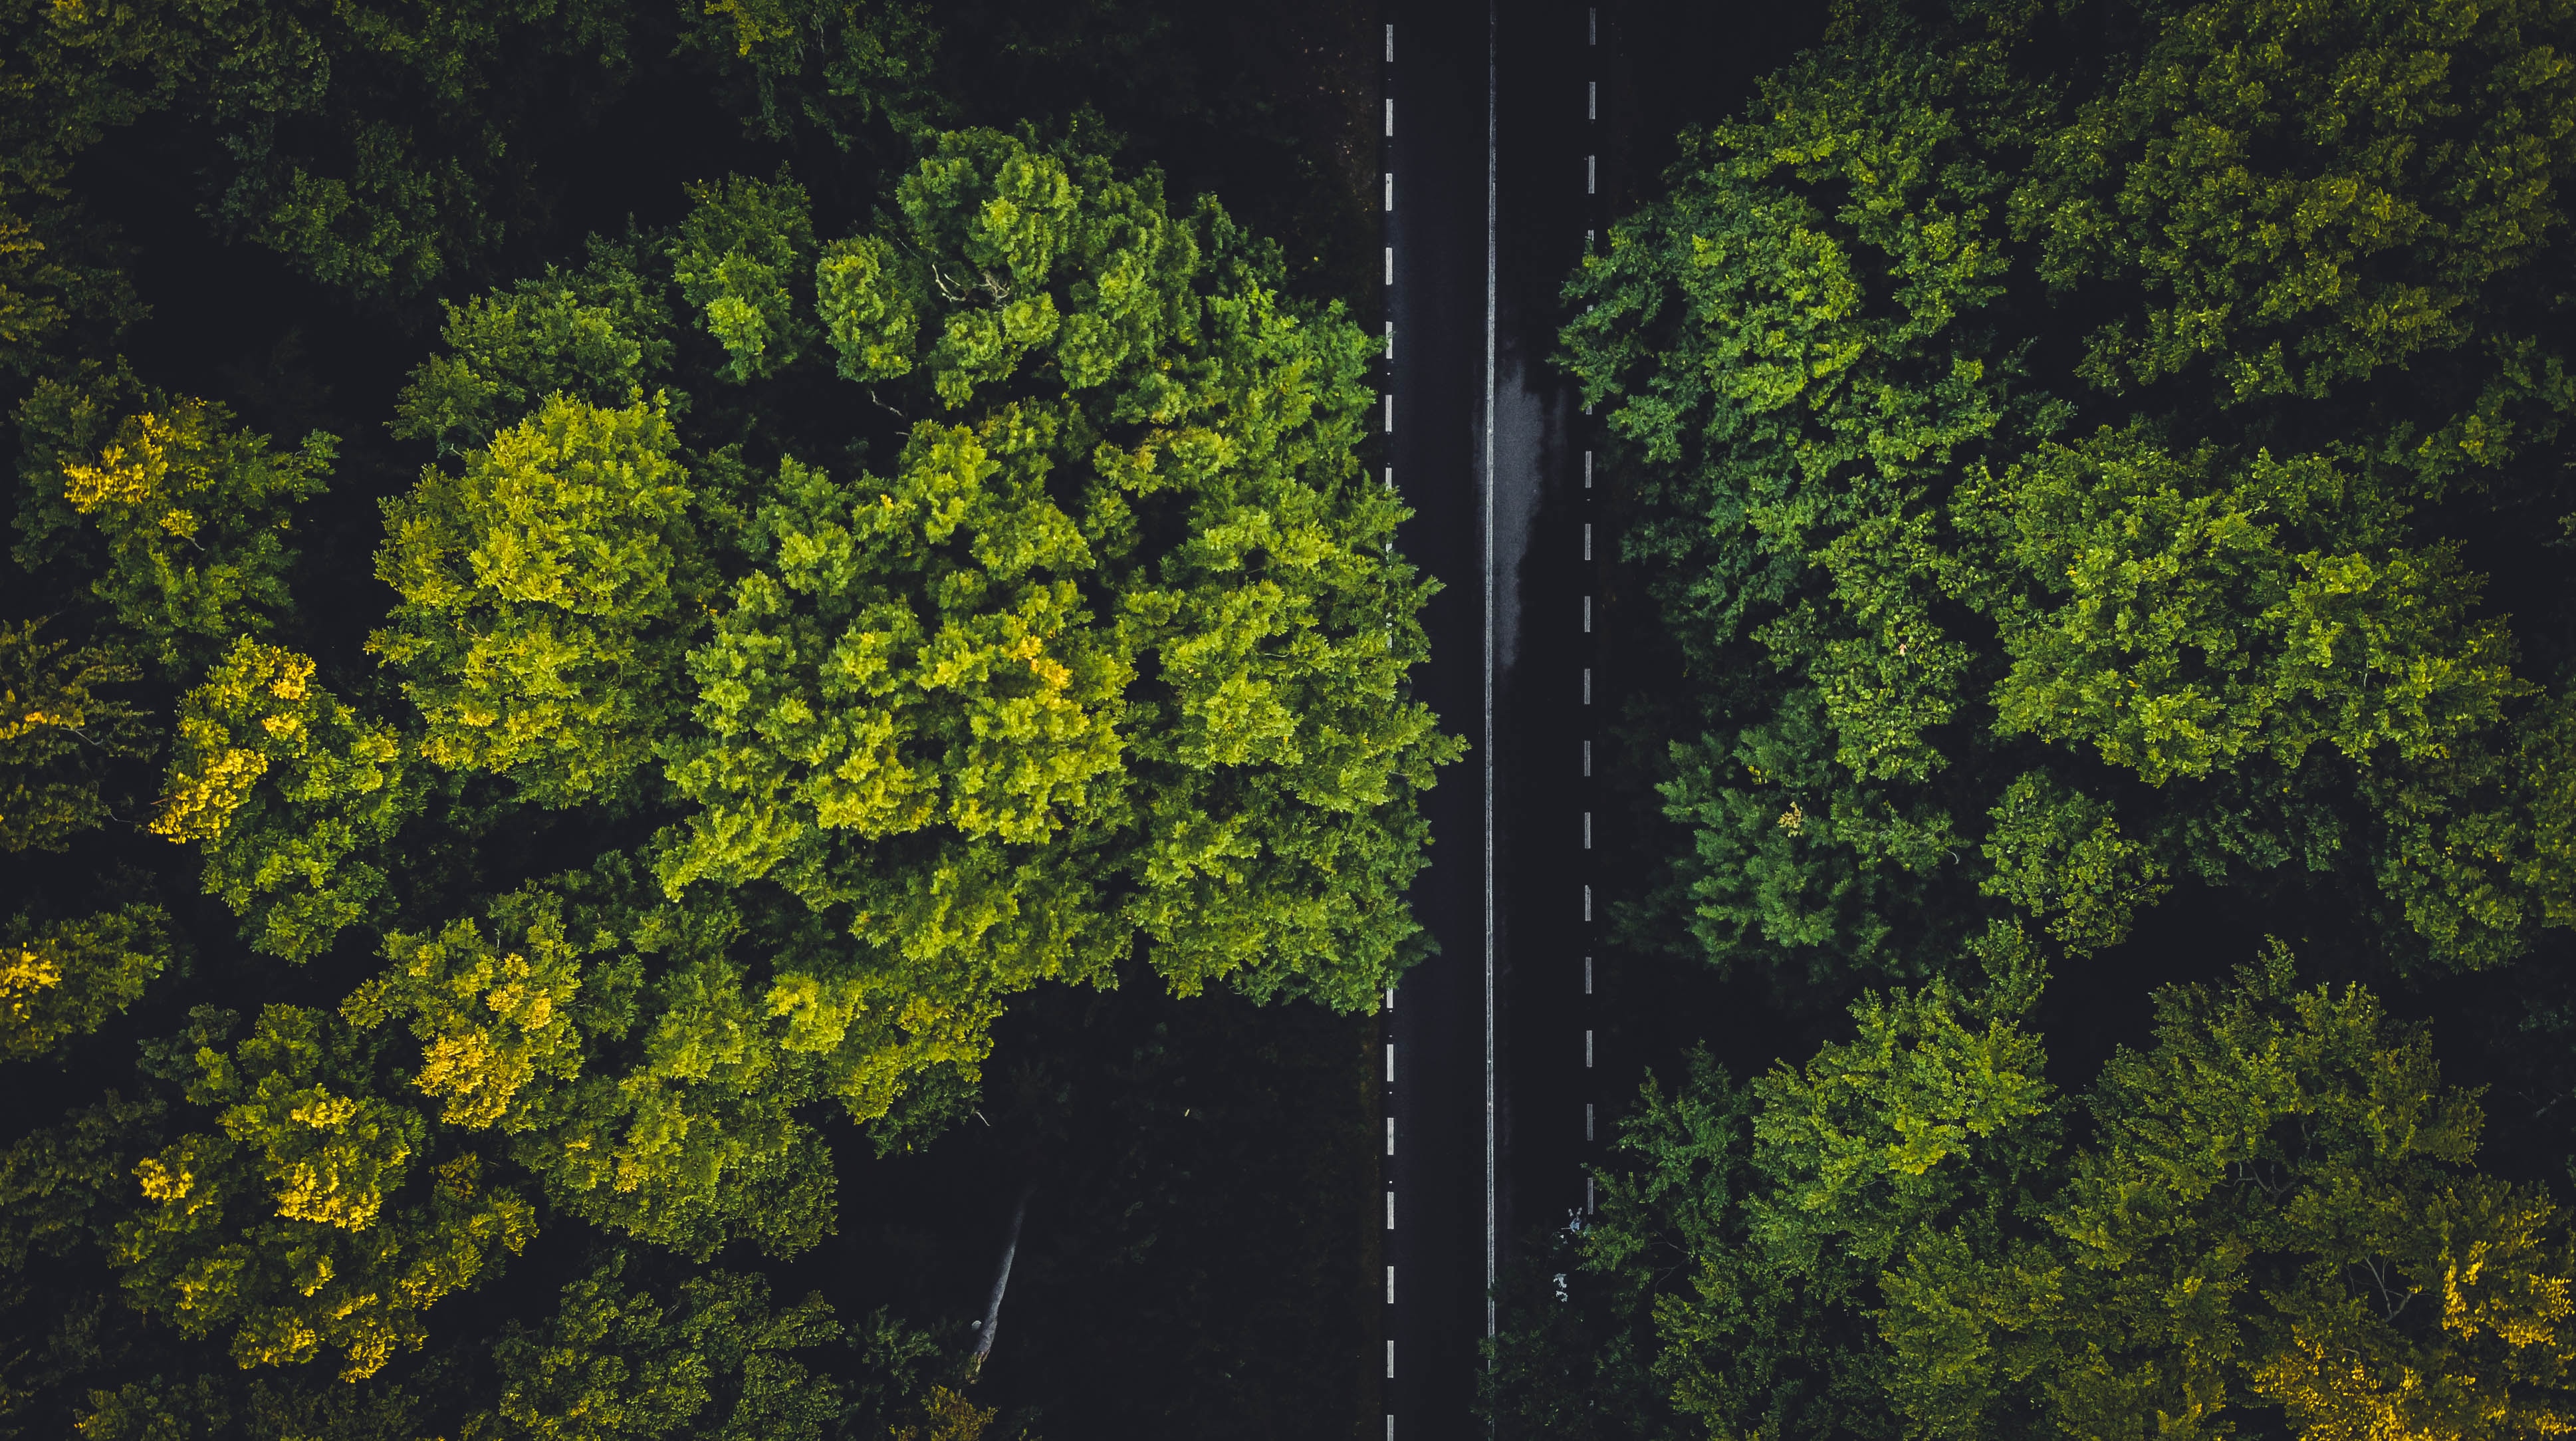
column 1491, row 194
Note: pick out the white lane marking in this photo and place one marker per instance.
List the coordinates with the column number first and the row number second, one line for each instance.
column 1390, row 342
column 1591, row 104
column 1390, row 190
column 1390, row 484
column 1587, row 1210
column 1587, row 903
column 1390, row 991
column 1390, row 117
column 1390, row 45
column 1390, row 1135
column 1390, row 415
column 1390, row 265
column 1587, row 615
column 1587, row 240
column 1587, row 464
column 1390, row 1426
column 1587, row 758
column 1587, row 540
column 1390, row 1063
column 1593, row 33
column 1587, row 830
column 1587, row 975
column 1587, row 1135
column 1390, row 1285
column 1390, row 1210
column 1591, row 173
column 1587, row 1048
column 1493, row 281
column 1390, row 1358
column 1587, row 685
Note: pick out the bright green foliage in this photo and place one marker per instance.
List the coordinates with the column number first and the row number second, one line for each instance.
column 741, row 261
column 58, row 735
column 2310, row 252
column 287, row 792
column 1933, row 1121
column 531, row 587
column 1112, row 656
column 717, row 1361
column 2276, row 1215
column 593, row 335
column 314, row 1218
column 188, row 516
column 665, row 1111
column 64, row 979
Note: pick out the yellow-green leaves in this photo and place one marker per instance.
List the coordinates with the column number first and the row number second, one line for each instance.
column 191, row 515
column 288, row 793
column 64, row 979
column 741, row 258
column 595, row 335
column 868, row 308
column 492, row 1015
column 2059, row 856
column 2277, row 1211
column 61, row 725
column 311, row 1221
column 538, row 593
column 614, row 1364
column 2193, row 632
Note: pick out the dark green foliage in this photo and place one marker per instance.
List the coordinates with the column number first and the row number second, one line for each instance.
column 2204, row 575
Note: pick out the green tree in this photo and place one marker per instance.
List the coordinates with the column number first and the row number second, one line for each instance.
column 2087, row 416
column 64, row 979
column 2271, row 1225
column 2277, row 1216
column 1110, row 657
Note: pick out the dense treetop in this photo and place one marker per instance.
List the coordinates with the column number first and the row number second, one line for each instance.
column 816, row 620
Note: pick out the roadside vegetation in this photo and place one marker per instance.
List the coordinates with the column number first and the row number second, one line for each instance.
column 2100, row 474
column 600, row 599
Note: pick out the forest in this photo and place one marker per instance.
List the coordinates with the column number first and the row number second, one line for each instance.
column 2099, row 476
column 670, row 673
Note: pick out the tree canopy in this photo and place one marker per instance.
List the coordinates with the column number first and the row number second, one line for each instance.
column 810, row 620
column 2062, row 442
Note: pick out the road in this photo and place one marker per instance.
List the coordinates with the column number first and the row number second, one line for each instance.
column 1490, row 194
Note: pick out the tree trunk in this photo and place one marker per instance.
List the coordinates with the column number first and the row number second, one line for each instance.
column 1001, row 1279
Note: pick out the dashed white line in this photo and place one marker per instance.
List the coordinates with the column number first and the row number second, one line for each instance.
column 1587, row 455
column 1593, row 34
column 1587, row 758
column 1390, row 45
column 1390, row 1063
column 1587, row 906
column 1390, row 117
column 1390, row 265
column 1390, row 1285
column 1587, row 1135
column 1390, row 415
column 1591, row 173
column 1390, row 1210
column 1587, row 615
column 1390, row 190
column 1587, row 540
column 1390, row 342
column 1587, row 1048
column 1390, row 1358
column 1390, row 1135
column 1591, row 104
column 1587, row 685
column 1587, row 975
column 1587, row 830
